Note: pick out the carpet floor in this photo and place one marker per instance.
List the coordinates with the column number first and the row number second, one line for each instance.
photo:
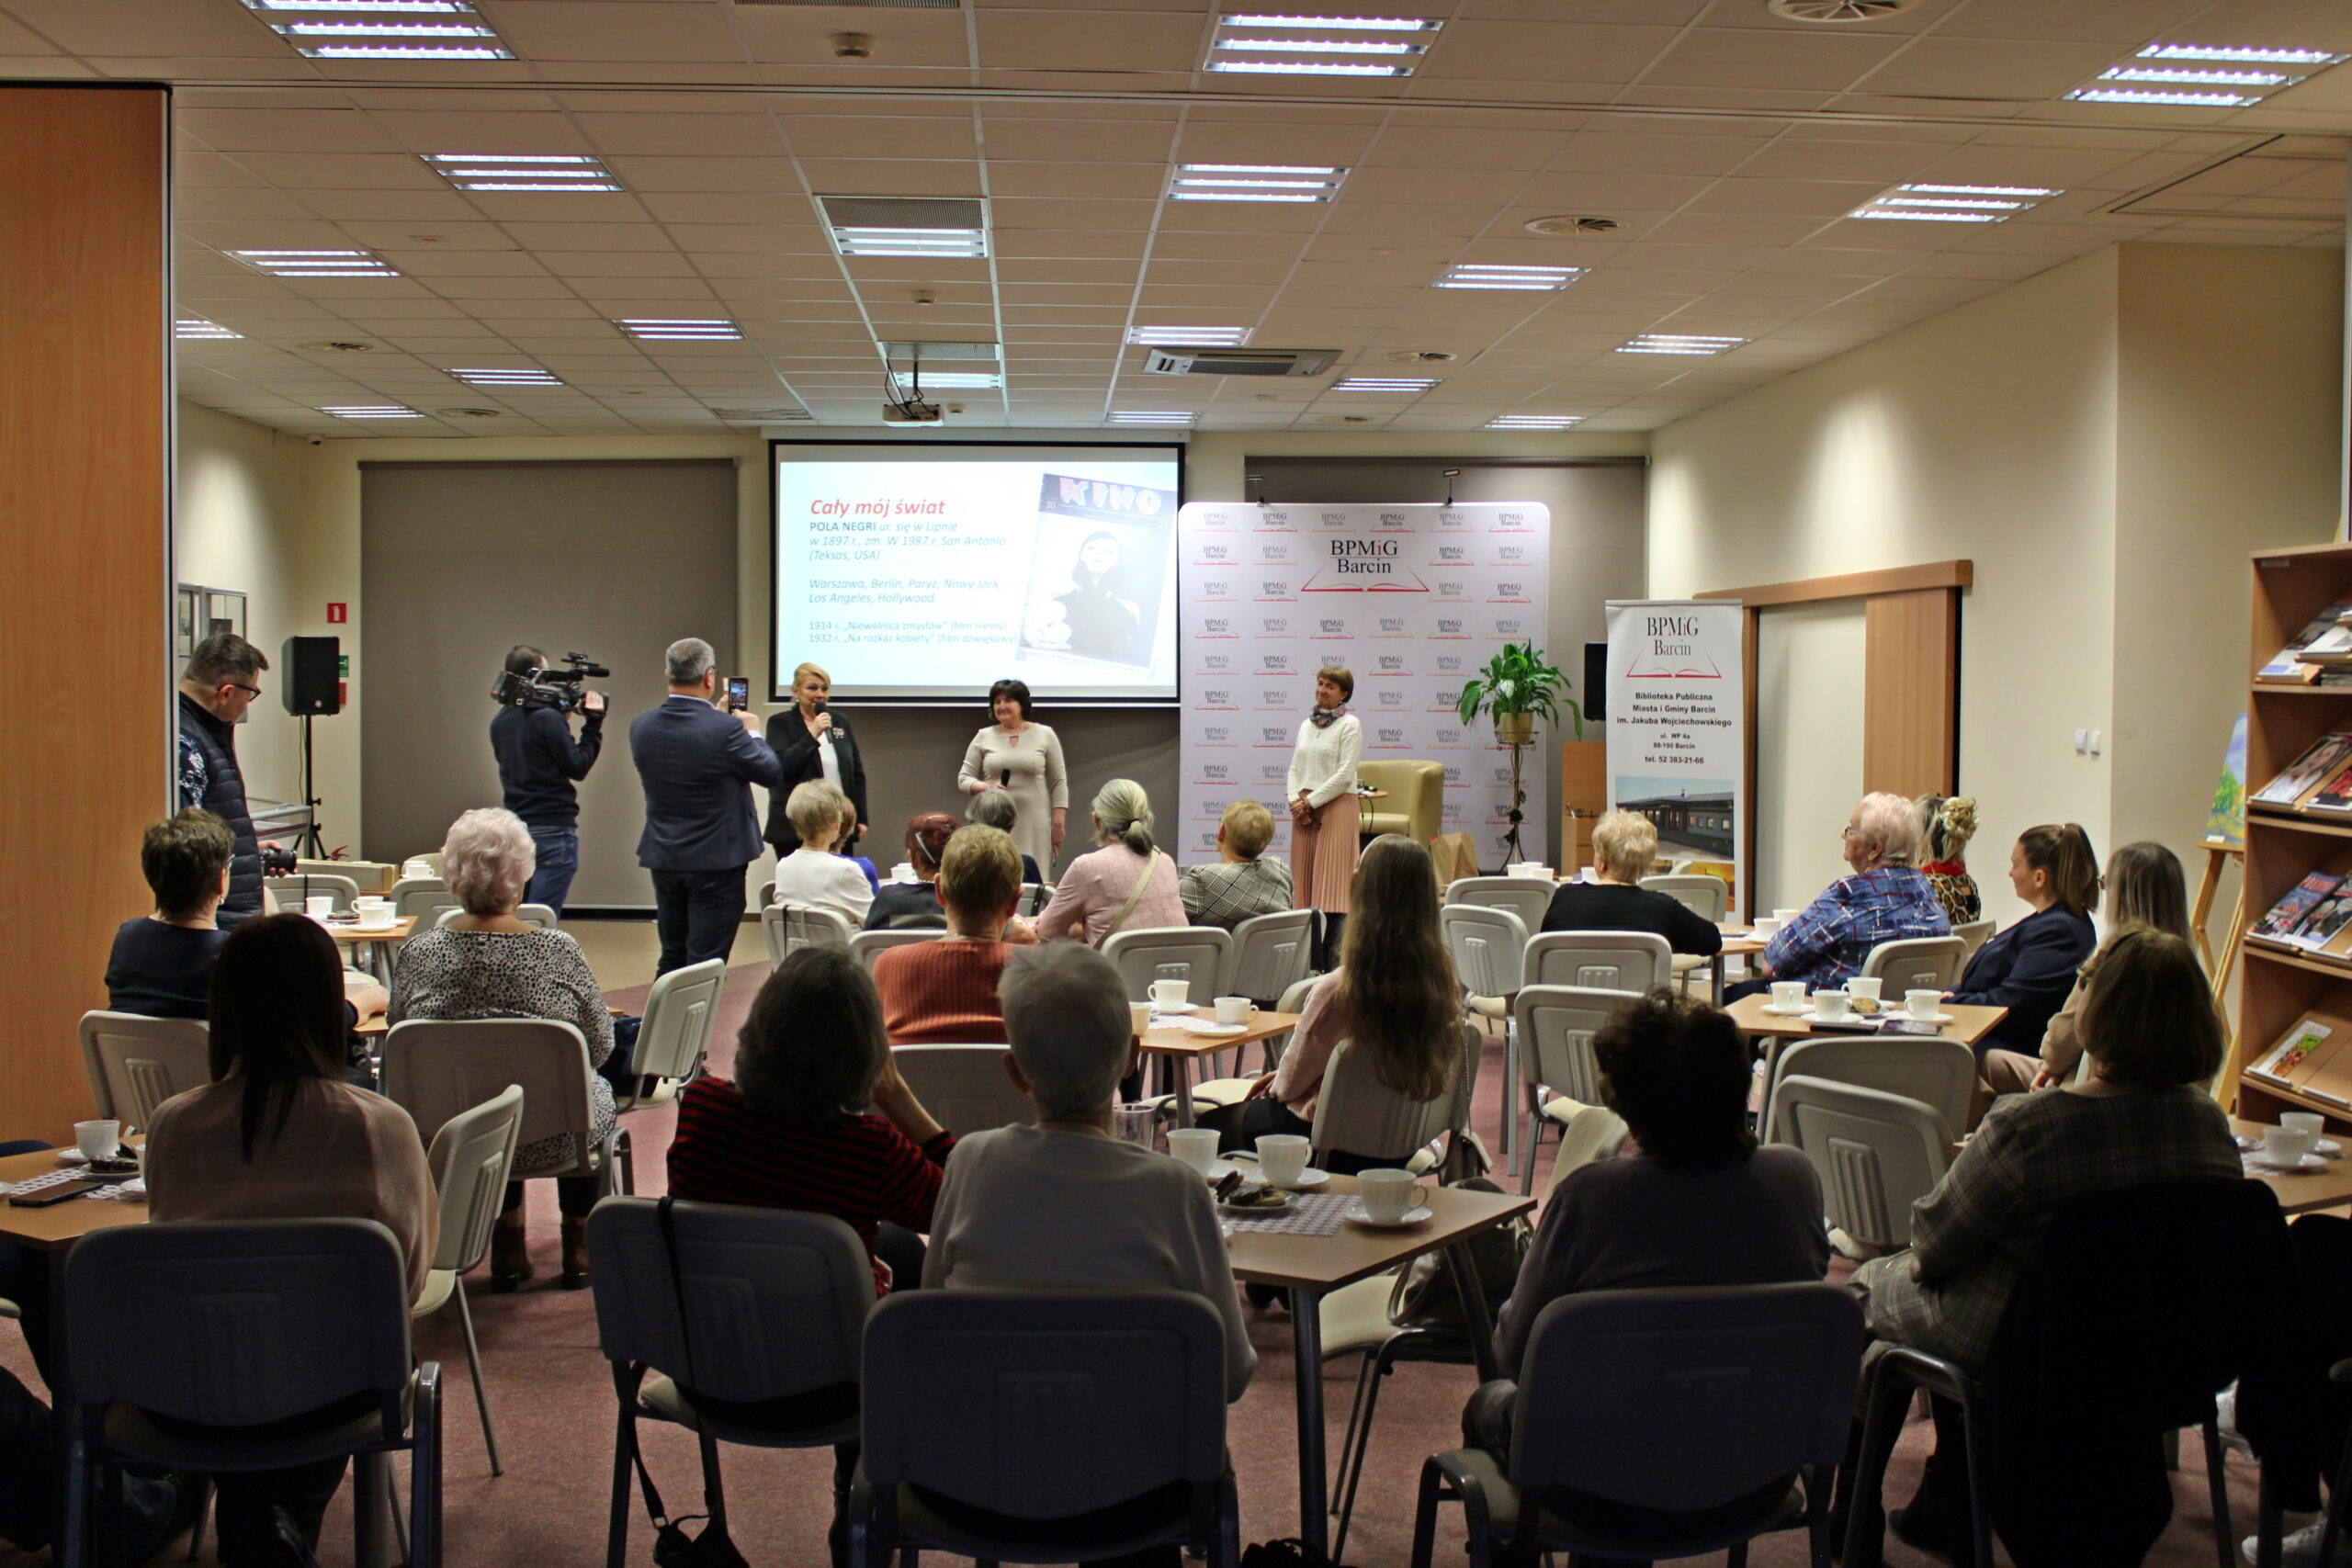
column 551, row 1396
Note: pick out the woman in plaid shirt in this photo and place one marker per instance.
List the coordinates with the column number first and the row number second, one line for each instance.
column 1886, row 899
column 1239, row 884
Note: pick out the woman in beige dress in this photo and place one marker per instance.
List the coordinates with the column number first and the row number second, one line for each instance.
column 1323, row 812
column 1024, row 758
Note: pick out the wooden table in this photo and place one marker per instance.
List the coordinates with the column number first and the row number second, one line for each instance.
column 1310, row 1266
column 60, row 1226
column 1969, row 1024
column 1181, row 1049
column 1738, row 942
column 2301, row 1192
column 380, row 940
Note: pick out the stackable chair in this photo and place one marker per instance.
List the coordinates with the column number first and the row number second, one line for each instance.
column 247, row 1344
column 1557, row 1024
column 1056, row 1380
column 421, row 898
column 1522, row 895
column 1228, row 1091
column 867, row 946
column 1917, row 963
column 1973, row 935
column 689, row 1322
column 1357, row 1116
column 792, row 926
column 435, row 1070
column 135, row 1063
column 1195, row 954
column 1706, row 896
column 538, row 915
column 964, row 1086
column 1877, row 1153
column 1636, row 961
column 1488, row 946
column 1939, row 1073
column 672, row 1037
column 1269, row 954
column 469, row 1159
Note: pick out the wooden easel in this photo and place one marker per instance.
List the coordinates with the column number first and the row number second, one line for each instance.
column 2218, row 853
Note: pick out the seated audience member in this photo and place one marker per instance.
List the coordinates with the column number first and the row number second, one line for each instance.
column 1239, row 883
column 944, row 992
column 1699, row 1205
column 2144, row 887
column 278, row 1134
column 2154, row 1039
column 814, row 876
column 489, row 964
column 1946, row 824
column 1394, row 996
column 846, row 845
column 1623, row 845
column 914, row 905
column 1125, row 885
column 996, row 808
column 2030, row 967
column 1885, row 900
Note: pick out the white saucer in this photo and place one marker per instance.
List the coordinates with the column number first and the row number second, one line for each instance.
column 2328, row 1147
column 1811, row 1016
column 1413, row 1218
column 1906, row 1012
column 1801, row 1010
column 1310, row 1180
column 2309, row 1162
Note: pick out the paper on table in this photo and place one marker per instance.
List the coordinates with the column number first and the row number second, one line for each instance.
column 1186, row 1023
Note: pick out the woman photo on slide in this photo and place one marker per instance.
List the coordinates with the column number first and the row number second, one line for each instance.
column 1102, row 624
column 811, row 742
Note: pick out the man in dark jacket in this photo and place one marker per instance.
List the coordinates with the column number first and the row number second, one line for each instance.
column 697, row 765
column 538, row 763
column 221, row 681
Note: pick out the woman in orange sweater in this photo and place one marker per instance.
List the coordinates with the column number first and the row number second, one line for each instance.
column 943, row 992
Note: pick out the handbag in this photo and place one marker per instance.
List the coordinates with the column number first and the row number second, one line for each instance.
column 673, row 1547
column 1135, row 896
column 1289, row 1551
column 1424, row 1295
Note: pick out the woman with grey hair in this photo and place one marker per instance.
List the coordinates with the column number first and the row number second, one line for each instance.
column 489, row 964
column 996, row 808
column 1127, row 886
column 1887, row 899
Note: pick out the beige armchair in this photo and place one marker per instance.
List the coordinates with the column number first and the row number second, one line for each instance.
column 1415, row 795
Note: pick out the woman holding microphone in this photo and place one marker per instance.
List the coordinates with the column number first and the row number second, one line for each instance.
column 1323, row 842
column 1023, row 758
column 811, row 743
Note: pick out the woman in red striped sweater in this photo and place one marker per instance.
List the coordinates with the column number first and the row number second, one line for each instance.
column 943, row 992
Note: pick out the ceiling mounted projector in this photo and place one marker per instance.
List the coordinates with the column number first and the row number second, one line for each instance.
column 911, row 413
column 1239, row 361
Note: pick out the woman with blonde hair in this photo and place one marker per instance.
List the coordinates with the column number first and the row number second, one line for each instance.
column 1624, row 844
column 1393, row 998
column 1885, row 900
column 1946, row 824
column 944, row 992
column 817, row 876
column 812, row 744
column 1239, row 884
column 2030, row 967
column 1128, row 885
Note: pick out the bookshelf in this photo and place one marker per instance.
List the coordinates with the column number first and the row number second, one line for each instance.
column 2277, row 988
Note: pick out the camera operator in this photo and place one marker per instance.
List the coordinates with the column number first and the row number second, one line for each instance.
column 538, row 763
column 220, row 682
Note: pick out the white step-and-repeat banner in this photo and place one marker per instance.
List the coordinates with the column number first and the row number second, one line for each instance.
column 1412, row 599
column 1677, row 729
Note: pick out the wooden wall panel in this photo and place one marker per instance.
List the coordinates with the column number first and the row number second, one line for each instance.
column 1911, row 692
column 84, row 561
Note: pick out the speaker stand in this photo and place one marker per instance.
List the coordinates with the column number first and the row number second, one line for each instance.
column 311, row 846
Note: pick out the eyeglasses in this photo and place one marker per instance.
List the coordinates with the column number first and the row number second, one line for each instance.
column 249, row 691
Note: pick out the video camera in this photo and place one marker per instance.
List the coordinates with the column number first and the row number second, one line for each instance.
column 549, row 688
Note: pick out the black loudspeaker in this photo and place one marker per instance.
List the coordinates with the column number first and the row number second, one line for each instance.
column 309, row 674
column 1596, row 680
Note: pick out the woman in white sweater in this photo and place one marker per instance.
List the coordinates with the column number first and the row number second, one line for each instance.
column 816, row 875
column 1323, row 840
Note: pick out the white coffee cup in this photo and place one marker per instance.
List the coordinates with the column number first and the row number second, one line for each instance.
column 1785, row 916
column 1923, row 1004
column 2286, row 1145
column 1282, row 1156
column 375, row 913
column 97, row 1140
column 1197, row 1147
column 1139, row 1016
column 1234, row 1009
column 1387, row 1195
column 1789, row 993
column 1167, row 995
column 1864, row 986
column 2310, row 1122
column 1830, row 1004
column 1763, row 926
column 416, row 868
column 318, row 906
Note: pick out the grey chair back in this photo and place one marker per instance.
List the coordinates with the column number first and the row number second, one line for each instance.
column 1917, row 963
column 1527, row 897
column 1056, row 1380
column 1604, row 961
column 1706, row 896
column 421, row 899
column 1877, row 1153
column 1488, row 946
column 964, row 1087
column 435, row 1070
column 681, row 1016
column 868, row 946
column 288, row 892
column 135, row 1063
column 1557, row 1024
column 1973, row 935
column 1679, row 1400
column 1357, row 1113
column 1269, row 955
column 1194, row 954
column 469, row 1159
column 743, row 1273
column 537, row 915
column 1939, row 1073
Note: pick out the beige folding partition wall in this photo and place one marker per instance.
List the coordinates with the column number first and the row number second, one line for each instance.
column 84, row 561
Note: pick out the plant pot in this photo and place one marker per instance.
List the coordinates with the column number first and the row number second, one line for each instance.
column 1515, row 729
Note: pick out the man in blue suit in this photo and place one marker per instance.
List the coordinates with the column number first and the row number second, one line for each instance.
column 697, row 763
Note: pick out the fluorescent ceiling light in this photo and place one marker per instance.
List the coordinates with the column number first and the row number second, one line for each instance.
column 1322, row 46
column 866, row 241
column 1487, row 275
column 1255, row 181
column 391, row 51
column 1940, row 215
column 1189, row 337
column 1328, row 169
column 952, row 381
column 673, row 329
column 413, row 8
column 2153, row 95
column 373, row 410
column 523, row 171
column 1352, row 24
column 506, row 377
column 2036, row 191
column 1330, row 46
column 1151, row 416
column 188, row 327
column 1307, row 68
column 2242, row 55
column 444, row 30
column 1953, row 204
column 383, row 29
column 1678, row 343
column 1382, row 384
column 2239, row 78
column 317, row 264
column 1534, row 420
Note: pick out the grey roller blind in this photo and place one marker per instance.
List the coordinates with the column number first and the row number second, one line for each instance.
column 460, row 561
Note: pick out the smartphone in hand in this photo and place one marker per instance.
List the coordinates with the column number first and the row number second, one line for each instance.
column 738, row 692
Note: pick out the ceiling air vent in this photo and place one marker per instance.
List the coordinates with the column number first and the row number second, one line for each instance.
column 764, row 417
column 1838, row 10
column 1239, row 361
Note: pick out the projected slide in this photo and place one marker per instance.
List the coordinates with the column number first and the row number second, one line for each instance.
column 926, row 573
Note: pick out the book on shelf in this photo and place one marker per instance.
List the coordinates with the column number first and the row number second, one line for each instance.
column 2322, row 758
column 2309, row 1035
column 2277, row 927
column 2333, row 798
column 2326, row 639
column 2318, row 930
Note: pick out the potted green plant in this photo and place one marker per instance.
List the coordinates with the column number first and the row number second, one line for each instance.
column 1516, row 687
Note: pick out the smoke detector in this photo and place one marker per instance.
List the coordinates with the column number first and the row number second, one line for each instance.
column 1838, row 10
column 1419, row 356
column 1571, row 225
column 468, row 413
column 336, row 346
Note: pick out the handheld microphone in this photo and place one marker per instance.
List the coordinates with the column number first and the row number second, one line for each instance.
column 816, row 707
column 1005, row 778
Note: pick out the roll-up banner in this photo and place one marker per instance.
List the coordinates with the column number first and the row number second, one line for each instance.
column 1413, row 600
column 1678, row 745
